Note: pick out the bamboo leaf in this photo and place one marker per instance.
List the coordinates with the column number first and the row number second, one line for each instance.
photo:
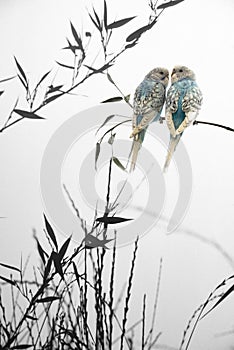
column 76, row 36
column 54, row 88
column 63, row 249
column 76, row 272
column 113, row 99
column 120, row 23
column 94, row 22
column 41, row 251
column 71, row 47
column 168, row 4
column 57, row 264
column 110, row 220
column 50, row 232
column 136, row 35
column 23, row 75
column 97, row 152
column 52, row 98
column 10, row 267
column 23, row 82
column 97, row 18
column 43, row 78
column 6, row 79
column 105, row 121
column 110, row 79
column 93, row 242
column 47, row 299
column 26, row 114
column 112, row 139
column 131, row 45
column 99, row 70
column 118, row 163
column 8, row 280
column 105, row 16
column 224, row 296
column 64, row 65
column 1, row 92
column 39, row 292
column 47, row 268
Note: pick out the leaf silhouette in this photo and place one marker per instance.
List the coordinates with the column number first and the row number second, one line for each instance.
column 26, row 114
column 97, row 152
column 168, row 4
column 113, row 99
column 23, row 75
column 99, row 70
column 54, row 88
column 110, row 220
column 1, row 92
column 136, row 35
column 112, row 139
column 10, row 267
column 71, row 47
column 22, row 346
column 88, row 34
column 105, row 15
column 224, row 296
column 47, row 268
column 92, row 19
column 23, row 83
column 97, row 18
column 43, row 78
column 50, row 232
column 8, row 280
column 76, row 272
column 63, row 249
column 94, row 242
column 6, row 79
column 52, row 98
column 106, row 121
column 47, row 299
column 118, row 163
column 120, row 23
column 76, row 36
column 41, row 251
column 57, row 264
column 39, row 292
column 131, row 45
column 64, row 65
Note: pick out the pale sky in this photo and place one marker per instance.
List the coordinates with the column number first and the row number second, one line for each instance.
column 195, row 33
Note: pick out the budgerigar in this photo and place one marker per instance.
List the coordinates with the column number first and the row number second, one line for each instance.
column 183, row 102
column 148, row 102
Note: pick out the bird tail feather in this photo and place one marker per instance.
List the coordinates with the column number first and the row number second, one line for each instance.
column 135, row 149
column 171, row 149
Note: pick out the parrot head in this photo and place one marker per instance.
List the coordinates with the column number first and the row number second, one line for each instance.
column 181, row 72
column 160, row 74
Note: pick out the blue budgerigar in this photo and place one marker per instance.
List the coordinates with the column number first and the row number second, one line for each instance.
column 148, row 102
column 183, row 102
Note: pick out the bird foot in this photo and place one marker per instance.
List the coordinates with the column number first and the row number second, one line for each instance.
column 161, row 119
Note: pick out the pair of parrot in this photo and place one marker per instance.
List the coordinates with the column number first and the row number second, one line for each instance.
column 183, row 102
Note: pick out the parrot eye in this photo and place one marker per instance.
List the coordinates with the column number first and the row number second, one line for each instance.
column 181, row 70
column 161, row 73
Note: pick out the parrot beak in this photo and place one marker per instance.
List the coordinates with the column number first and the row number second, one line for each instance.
column 173, row 72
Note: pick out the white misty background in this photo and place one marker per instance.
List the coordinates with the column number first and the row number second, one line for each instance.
column 194, row 33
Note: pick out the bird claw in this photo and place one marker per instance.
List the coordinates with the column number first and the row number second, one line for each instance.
column 135, row 132
column 161, row 120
